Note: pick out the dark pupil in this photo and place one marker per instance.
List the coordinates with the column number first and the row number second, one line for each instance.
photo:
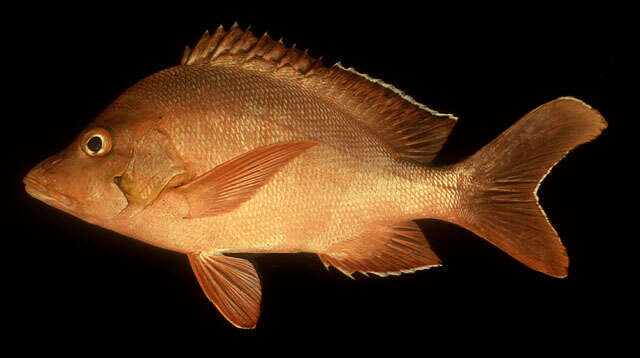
column 94, row 144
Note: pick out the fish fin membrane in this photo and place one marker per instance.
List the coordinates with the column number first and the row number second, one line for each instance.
column 503, row 205
column 230, row 184
column 231, row 284
column 411, row 129
column 384, row 250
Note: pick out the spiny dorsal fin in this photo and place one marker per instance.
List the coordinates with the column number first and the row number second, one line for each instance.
column 410, row 128
column 244, row 46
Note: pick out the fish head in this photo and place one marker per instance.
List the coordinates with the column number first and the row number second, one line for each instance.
column 82, row 179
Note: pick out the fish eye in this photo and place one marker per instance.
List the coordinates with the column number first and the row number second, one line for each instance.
column 97, row 142
column 94, row 145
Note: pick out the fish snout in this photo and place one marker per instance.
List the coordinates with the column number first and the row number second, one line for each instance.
column 40, row 175
column 40, row 183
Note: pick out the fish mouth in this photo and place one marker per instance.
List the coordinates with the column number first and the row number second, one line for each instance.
column 45, row 194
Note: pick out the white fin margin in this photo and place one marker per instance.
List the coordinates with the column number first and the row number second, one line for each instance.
column 403, row 95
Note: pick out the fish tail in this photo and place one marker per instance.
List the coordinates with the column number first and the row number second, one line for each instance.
column 502, row 205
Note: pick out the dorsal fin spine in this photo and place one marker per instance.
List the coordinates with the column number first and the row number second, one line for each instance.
column 259, row 49
column 303, row 64
column 185, row 55
column 315, row 67
column 276, row 52
column 201, row 45
column 245, row 42
column 228, row 41
column 410, row 128
column 214, row 41
column 289, row 57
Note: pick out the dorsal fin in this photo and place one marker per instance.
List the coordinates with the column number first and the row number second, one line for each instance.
column 410, row 128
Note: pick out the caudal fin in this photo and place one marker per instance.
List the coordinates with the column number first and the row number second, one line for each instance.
column 503, row 206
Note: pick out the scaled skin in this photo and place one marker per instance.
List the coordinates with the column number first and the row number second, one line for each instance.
column 335, row 191
column 250, row 146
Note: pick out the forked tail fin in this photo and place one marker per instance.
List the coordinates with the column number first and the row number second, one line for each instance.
column 503, row 206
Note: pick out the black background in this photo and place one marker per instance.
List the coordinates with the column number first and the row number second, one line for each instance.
column 70, row 282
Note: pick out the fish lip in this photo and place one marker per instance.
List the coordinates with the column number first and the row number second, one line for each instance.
column 41, row 192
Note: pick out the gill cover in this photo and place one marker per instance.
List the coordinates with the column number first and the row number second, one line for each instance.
column 154, row 164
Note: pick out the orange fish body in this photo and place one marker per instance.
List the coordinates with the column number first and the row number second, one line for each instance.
column 249, row 146
column 345, row 181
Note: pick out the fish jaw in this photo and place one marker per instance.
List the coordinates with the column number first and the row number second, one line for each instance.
column 39, row 186
column 48, row 196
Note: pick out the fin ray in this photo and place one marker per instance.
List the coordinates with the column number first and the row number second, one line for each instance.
column 385, row 250
column 231, row 284
column 413, row 130
column 230, row 184
column 503, row 206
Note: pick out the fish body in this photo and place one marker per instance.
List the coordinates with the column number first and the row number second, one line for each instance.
column 327, row 194
column 249, row 146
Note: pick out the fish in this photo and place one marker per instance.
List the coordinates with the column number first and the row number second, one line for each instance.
column 251, row 146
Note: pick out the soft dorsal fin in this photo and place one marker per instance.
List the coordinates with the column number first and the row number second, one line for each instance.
column 383, row 250
column 410, row 128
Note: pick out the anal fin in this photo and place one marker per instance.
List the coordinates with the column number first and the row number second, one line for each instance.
column 384, row 250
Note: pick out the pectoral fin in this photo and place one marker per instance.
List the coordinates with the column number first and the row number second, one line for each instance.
column 231, row 284
column 230, row 184
column 384, row 250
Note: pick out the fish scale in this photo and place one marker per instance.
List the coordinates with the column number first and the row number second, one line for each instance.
column 249, row 146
